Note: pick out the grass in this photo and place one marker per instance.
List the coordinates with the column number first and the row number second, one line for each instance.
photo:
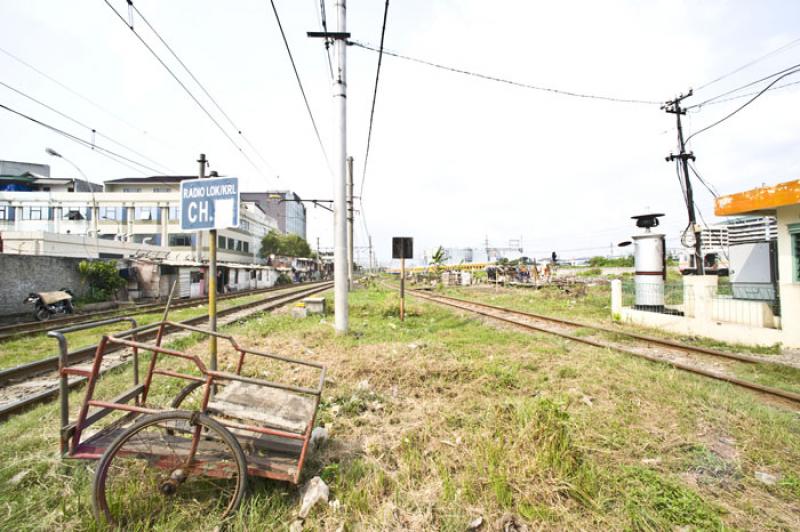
column 441, row 418
column 33, row 347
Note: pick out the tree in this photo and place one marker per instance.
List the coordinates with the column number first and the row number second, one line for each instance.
column 438, row 259
column 274, row 243
column 270, row 244
column 295, row 246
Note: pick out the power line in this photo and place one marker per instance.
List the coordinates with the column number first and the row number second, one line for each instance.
column 324, row 24
column 99, row 149
column 93, row 130
column 79, row 95
column 183, row 86
column 748, row 102
column 746, row 85
column 299, row 82
column 739, row 97
column 374, row 97
column 199, row 84
column 750, row 63
column 710, row 188
column 506, row 81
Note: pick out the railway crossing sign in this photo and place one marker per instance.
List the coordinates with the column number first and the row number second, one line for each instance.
column 209, row 203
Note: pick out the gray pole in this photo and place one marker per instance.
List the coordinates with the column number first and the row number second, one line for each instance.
column 340, row 174
column 350, row 219
column 370, row 253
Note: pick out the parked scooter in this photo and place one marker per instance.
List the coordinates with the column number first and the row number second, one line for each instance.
column 47, row 304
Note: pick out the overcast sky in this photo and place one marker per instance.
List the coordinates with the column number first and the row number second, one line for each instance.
column 454, row 159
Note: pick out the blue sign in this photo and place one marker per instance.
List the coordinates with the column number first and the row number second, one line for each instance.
column 209, row 203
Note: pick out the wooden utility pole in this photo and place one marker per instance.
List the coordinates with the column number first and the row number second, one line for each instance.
column 212, row 278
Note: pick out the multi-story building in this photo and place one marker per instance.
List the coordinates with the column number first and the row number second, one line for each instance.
column 26, row 177
column 283, row 205
column 132, row 216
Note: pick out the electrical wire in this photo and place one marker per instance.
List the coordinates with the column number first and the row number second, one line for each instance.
column 98, row 149
column 300, row 83
column 324, row 24
column 374, row 97
column 709, row 187
column 199, row 84
column 751, row 63
column 506, row 81
column 183, row 85
column 91, row 129
column 81, row 96
column 748, row 102
column 746, row 85
column 739, row 97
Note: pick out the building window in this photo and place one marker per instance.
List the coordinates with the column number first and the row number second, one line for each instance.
column 4, row 212
column 239, row 245
column 157, row 189
column 153, row 240
column 146, row 213
column 174, row 214
column 231, row 244
column 127, row 189
column 73, row 214
column 32, row 213
column 246, row 247
column 180, row 239
column 794, row 240
column 221, row 242
column 110, row 213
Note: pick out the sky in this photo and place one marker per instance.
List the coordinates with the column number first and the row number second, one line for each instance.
column 454, row 159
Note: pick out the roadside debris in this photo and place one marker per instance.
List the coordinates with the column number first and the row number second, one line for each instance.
column 318, row 437
column 476, row 523
column 316, row 490
column 766, row 478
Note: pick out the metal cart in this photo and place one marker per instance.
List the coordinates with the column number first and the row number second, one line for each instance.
column 190, row 460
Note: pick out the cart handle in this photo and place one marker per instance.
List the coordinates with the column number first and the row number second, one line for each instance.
column 63, row 362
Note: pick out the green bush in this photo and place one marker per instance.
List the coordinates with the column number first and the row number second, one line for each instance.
column 599, row 262
column 102, row 277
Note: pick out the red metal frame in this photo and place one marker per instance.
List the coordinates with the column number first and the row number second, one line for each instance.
column 79, row 449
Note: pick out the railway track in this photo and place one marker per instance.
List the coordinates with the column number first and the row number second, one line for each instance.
column 15, row 330
column 710, row 363
column 15, row 382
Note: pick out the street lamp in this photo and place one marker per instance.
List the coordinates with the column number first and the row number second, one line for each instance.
column 54, row 153
column 95, row 210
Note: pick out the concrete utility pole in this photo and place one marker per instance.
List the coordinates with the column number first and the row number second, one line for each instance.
column 350, row 219
column 340, row 171
column 674, row 107
column 340, row 268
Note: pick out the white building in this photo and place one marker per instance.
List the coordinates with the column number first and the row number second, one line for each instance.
column 131, row 217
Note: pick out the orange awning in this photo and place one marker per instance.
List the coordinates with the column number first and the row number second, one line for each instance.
column 762, row 200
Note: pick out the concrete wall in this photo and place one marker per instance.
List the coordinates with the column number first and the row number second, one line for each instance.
column 790, row 290
column 699, row 319
column 22, row 274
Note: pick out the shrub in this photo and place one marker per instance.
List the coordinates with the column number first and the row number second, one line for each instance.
column 102, row 277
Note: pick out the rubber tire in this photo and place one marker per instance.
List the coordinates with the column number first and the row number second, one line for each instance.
column 184, row 393
column 41, row 314
column 241, row 462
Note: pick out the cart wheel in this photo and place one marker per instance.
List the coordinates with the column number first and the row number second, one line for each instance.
column 191, row 404
column 146, row 476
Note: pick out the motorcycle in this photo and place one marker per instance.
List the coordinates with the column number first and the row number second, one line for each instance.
column 48, row 304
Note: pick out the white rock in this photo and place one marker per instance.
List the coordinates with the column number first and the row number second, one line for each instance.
column 297, row 526
column 318, row 437
column 476, row 523
column 316, row 490
column 767, row 478
column 363, row 385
